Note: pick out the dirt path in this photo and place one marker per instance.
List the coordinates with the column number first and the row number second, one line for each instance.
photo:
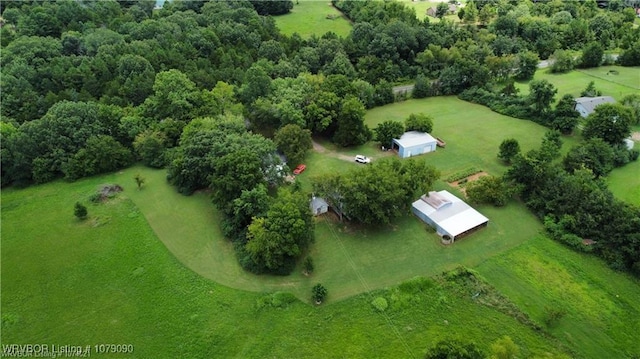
column 635, row 136
column 321, row 149
column 341, row 156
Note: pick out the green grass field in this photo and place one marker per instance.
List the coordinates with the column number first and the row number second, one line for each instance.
column 614, row 81
column 110, row 280
column 421, row 10
column 473, row 133
column 310, row 17
column 602, row 317
column 624, row 182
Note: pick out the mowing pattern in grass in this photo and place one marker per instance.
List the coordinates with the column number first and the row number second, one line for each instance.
column 109, row 280
column 602, row 313
column 473, row 132
column 189, row 227
column 614, row 81
column 624, row 182
column 313, row 17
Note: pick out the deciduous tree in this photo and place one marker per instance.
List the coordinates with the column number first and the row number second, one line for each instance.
column 509, row 148
column 294, row 142
column 387, row 131
column 610, row 122
column 419, row 122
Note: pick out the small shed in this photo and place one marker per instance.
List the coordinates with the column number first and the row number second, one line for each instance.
column 414, row 143
column 586, row 105
column 318, row 206
column 431, row 11
column 451, row 217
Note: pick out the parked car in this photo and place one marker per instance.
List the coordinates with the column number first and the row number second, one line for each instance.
column 362, row 159
column 298, row 170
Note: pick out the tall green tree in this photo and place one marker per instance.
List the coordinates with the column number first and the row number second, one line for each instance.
column 294, row 142
column 489, row 189
column 509, row 148
column 592, row 55
column 150, row 147
column 541, row 94
column 419, row 122
column 276, row 240
column 593, row 154
column 351, row 128
column 174, row 96
column 387, row 131
column 610, row 122
column 565, row 117
column 527, row 64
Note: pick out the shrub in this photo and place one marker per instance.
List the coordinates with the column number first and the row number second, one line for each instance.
column 80, row 211
column 308, row 265
column 380, row 304
column 318, row 293
column 463, row 174
column 508, row 149
column 552, row 316
column 416, row 285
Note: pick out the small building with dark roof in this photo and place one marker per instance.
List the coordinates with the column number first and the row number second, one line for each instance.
column 586, row 105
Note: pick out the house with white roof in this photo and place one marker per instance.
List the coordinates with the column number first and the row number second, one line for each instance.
column 449, row 215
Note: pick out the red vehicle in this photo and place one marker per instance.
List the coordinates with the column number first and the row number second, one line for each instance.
column 298, row 170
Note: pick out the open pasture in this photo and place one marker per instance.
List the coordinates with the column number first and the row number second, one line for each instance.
column 599, row 307
column 312, row 17
column 614, row 81
column 109, row 279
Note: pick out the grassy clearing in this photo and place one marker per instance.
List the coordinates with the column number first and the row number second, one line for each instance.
column 601, row 306
column 624, row 182
column 349, row 261
column 108, row 279
column 625, row 82
column 473, row 132
column 421, row 10
column 313, row 17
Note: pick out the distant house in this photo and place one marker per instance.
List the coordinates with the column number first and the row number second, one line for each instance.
column 414, row 143
column 586, row 105
column 449, row 215
column 431, row 11
column 318, row 206
column 452, row 9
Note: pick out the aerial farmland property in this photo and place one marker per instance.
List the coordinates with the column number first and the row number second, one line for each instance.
column 310, row 179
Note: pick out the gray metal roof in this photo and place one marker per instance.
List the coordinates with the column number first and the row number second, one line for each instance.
column 456, row 218
column 590, row 103
column 414, row 138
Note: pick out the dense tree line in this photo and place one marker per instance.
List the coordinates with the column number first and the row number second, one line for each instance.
column 574, row 201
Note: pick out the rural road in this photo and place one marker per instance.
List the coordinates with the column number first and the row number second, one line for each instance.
column 321, row 149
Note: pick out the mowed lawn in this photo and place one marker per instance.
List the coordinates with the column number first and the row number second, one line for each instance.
column 614, row 81
column 313, row 17
column 110, row 280
column 624, row 182
column 473, row 133
column 421, row 10
column 602, row 312
column 348, row 260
